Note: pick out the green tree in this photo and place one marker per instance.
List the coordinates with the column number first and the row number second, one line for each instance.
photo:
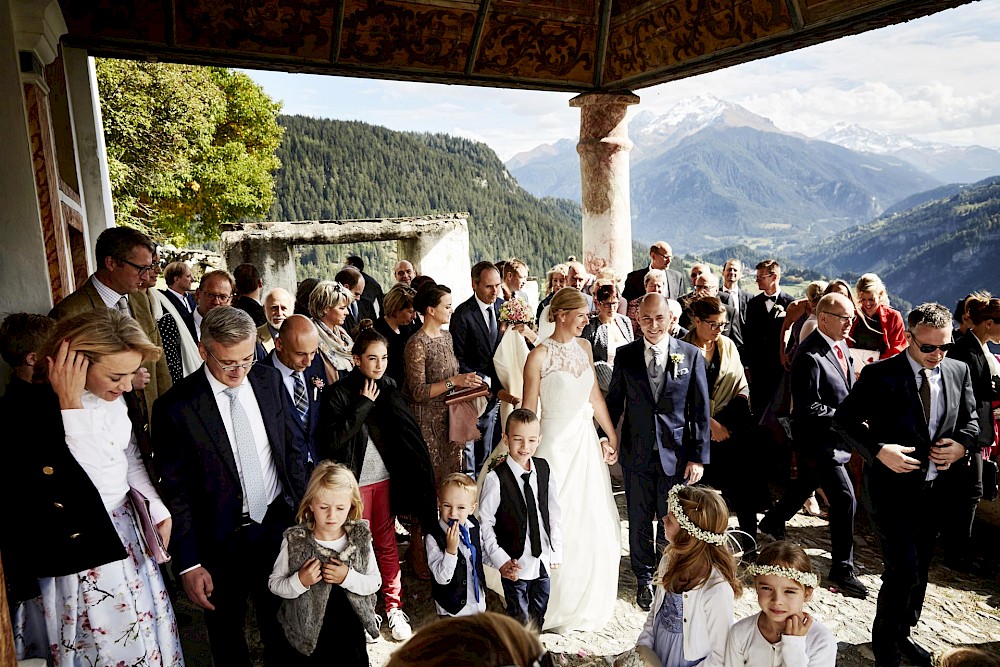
column 189, row 148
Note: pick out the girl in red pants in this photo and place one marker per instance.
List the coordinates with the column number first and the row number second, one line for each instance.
column 365, row 424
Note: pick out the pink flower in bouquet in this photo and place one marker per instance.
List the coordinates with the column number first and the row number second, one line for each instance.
column 516, row 311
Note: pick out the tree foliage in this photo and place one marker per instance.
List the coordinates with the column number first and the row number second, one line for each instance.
column 189, row 148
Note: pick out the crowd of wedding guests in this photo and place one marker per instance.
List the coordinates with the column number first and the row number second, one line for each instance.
column 269, row 445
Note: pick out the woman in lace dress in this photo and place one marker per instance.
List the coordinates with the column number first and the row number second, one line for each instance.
column 559, row 374
column 431, row 371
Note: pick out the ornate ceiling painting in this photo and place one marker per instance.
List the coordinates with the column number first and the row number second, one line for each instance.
column 566, row 45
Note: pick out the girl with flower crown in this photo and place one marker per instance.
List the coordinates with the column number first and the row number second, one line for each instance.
column 696, row 584
column 782, row 634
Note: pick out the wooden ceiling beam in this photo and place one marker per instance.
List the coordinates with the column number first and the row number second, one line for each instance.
column 477, row 36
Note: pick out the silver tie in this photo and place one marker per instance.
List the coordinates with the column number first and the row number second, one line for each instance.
column 655, row 372
column 123, row 307
column 253, row 476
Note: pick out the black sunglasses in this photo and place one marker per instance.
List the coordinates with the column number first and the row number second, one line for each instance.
column 927, row 348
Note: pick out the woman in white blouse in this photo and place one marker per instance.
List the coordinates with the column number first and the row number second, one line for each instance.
column 77, row 531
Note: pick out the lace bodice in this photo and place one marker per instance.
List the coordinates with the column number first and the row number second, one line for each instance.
column 567, row 357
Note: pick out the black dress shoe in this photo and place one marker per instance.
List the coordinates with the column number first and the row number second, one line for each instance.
column 849, row 585
column 775, row 530
column 644, row 597
column 914, row 653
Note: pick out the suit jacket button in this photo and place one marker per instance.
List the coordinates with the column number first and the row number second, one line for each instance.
column 48, row 470
column 74, row 536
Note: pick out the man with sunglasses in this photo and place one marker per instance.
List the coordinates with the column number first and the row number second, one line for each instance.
column 124, row 263
column 232, row 480
column 911, row 416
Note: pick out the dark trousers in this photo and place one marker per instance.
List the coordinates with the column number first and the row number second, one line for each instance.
column 961, row 487
column 646, row 498
column 527, row 600
column 908, row 521
column 836, row 484
column 477, row 451
column 240, row 569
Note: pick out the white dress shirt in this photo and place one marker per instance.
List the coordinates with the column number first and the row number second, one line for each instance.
column 110, row 297
column 442, row 566
column 248, row 400
column 834, row 344
column 287, row 585
column 197, row 318
column 288, row 377
column 489, row 501
column 101, row 440
column 937, row 405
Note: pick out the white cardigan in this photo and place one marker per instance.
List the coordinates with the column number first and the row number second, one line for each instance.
column 708, row 615
column 747, row 646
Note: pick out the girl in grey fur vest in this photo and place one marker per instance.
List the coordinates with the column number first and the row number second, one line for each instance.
column 327, row 573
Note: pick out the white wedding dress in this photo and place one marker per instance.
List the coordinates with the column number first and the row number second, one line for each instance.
column 585, row 586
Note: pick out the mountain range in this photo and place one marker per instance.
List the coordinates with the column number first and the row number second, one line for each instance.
column 709, row 173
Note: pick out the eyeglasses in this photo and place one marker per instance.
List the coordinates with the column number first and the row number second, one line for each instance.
column 927, row 348
column 140, row 269
column 221, row 298
column 766, row 275
column 843, row 318
column 607, row 304
column 715, row 326
column 231, row 367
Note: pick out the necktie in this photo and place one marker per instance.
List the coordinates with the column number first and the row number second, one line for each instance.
column 925, row 394
column 492, row 323
column 533, row 532
column 655, row 371
column 301, row 400
column 123, row 307
column 253, row 476
column 464, row 533
column 842, row 360
column 354, row 310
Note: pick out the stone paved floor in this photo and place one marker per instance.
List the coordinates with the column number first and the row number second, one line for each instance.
column 959, row 609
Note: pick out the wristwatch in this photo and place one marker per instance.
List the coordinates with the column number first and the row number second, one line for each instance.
column 449, row 384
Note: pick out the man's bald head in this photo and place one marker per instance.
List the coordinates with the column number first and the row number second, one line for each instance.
column 297, row 342
column 403, row 271
column 278, row 305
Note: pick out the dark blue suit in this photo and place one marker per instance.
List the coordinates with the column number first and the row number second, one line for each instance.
column 304, row 432
column 201, row 486
column 185, row 311
column 474, row 350
column 884, row 407
column 819, row 386
column 660, row 436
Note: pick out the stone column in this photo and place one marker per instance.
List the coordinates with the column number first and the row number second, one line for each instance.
column 85, row 109
column 604, row 172
column 272, row 257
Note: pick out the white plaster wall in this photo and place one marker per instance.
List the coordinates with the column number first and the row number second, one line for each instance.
column 444, row 256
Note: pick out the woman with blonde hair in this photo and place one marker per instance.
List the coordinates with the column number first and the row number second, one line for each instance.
column 481, row 640
column 328, row 305
column 555, row 280
column 559, row 376
column 77, row 531
column 878, row 327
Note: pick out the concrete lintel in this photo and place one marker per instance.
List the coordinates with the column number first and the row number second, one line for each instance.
column 38, row 26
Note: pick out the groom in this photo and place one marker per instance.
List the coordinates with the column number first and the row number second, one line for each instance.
column 659, row 385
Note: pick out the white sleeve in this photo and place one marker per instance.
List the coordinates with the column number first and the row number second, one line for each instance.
column 489, row 502
column 281, row 583
column 820, row 646
column 734, row 651
column 720, row 601
column 367, row 583
column 441, row 563
column 138, row 478
column 555, row 522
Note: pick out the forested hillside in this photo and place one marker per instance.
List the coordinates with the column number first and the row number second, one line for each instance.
column 340, row 170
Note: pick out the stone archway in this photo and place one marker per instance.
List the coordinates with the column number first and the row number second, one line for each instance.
column 436, row 245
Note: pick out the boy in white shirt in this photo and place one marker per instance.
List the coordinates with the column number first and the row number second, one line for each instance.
column 454, row 550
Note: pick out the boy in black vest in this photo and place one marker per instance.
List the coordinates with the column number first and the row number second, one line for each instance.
column 521, row 521
column 454, row 550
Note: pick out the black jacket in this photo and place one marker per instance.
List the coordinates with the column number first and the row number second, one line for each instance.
column 968, row 349
column 348, row 419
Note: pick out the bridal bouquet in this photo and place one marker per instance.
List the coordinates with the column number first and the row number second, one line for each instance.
column 516, row 311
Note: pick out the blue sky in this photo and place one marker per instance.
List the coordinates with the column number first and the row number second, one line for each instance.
column 936, row 78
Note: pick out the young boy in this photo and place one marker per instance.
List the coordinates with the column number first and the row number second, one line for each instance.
column 521, row 521
column 454, row 550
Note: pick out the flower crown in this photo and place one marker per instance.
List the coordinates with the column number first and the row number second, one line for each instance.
column 674, row 503
column 807, row 579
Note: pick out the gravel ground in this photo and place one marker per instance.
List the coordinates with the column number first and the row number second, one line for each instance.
column 959, row 610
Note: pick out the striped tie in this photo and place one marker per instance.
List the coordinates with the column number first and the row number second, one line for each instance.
column 246, row 447
column 301, row 400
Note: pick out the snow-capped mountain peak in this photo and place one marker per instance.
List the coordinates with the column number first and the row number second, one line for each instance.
column 858, row 138
column 692, row 115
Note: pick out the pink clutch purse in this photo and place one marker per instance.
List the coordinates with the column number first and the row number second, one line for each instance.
column 148, row 528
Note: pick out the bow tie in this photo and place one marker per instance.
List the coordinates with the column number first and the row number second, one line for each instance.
column 772, row 299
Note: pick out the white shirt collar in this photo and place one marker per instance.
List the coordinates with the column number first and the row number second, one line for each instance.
column 219, row 387
column 516, row 467
column 109, row 296
column 917, row 368
column 831, row 342
column 662, row 346
column 483, row 306
column 285, row 370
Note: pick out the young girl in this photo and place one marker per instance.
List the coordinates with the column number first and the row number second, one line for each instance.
column 367, row 427
column 782, row 633
column 696, row 582
column 327, row 574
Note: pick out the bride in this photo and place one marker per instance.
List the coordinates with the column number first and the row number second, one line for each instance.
column 560, row 372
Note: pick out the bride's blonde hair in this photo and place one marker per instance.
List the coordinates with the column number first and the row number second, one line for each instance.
column 568, row 298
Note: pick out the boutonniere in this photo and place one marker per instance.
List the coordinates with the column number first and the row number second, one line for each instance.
column 778, row 310
column 497, row 461
column 676, row 359
column 318, row 385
